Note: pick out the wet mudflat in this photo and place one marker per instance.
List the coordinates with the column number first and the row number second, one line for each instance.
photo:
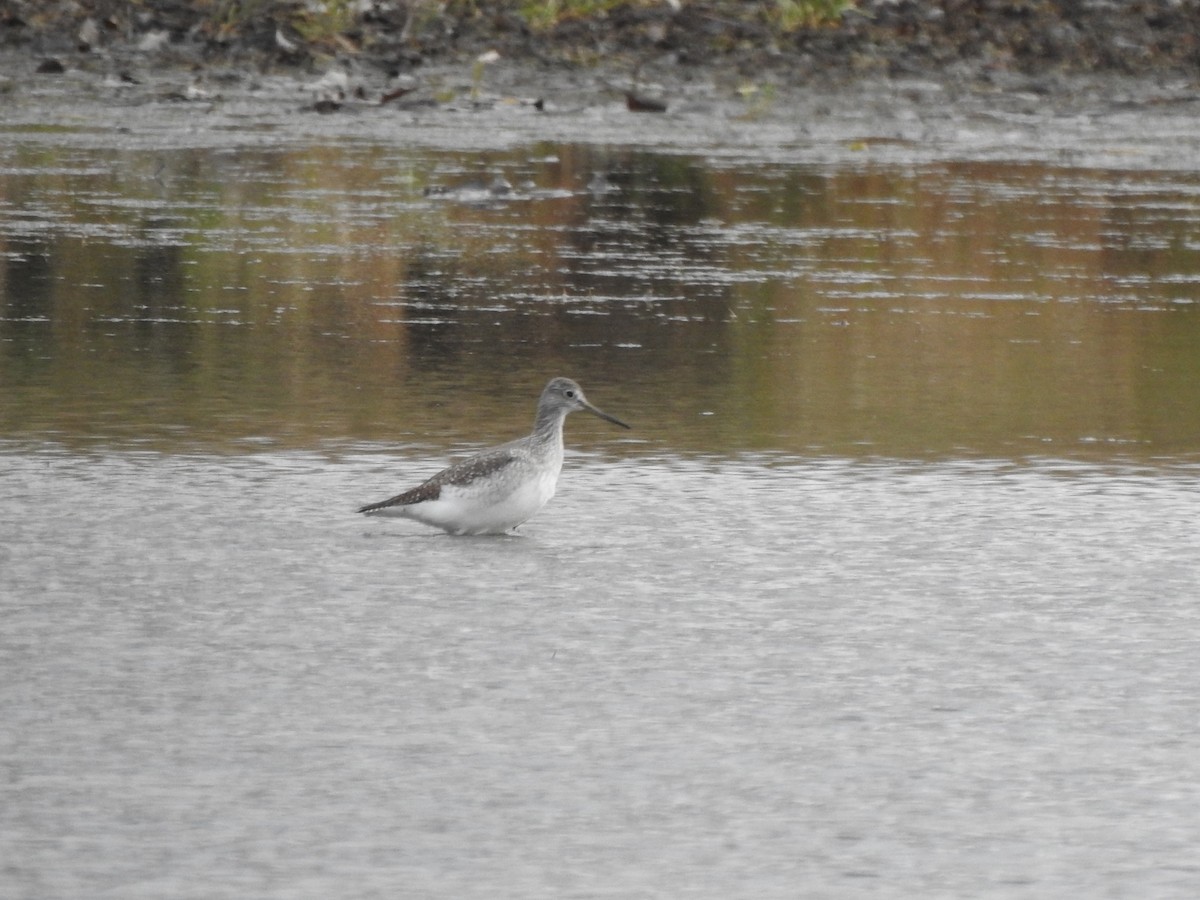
column 889, row 593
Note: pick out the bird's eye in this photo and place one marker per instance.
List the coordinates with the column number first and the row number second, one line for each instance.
column 569, row 394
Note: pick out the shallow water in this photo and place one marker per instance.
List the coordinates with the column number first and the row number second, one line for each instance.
column 890, row 592
column 686, row 679
column 298, row 296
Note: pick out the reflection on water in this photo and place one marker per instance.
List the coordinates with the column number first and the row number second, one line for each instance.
column 796, row 664
column 322, row 295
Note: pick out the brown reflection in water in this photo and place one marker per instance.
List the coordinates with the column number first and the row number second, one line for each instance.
column 972, row 308
column 319, row 295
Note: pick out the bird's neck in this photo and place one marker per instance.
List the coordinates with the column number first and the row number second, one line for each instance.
column 548, row 428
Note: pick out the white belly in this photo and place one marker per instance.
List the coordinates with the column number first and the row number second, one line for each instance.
column 485, row 507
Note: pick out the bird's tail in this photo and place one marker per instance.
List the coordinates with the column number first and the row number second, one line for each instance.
column 378, row 507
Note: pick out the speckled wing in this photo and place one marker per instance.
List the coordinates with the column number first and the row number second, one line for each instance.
column 460, row 474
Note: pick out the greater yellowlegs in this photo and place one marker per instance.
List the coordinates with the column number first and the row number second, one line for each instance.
column 496, row 490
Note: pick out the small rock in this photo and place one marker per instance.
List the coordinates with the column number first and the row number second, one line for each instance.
column 88, row 36
column 154, row 41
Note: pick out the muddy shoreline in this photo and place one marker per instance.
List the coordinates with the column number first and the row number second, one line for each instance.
column 894, row 37
column 1045, row 48
column 1087, row 83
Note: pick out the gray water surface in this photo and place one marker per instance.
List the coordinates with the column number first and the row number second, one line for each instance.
column 890, row 592
column 686, row 679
